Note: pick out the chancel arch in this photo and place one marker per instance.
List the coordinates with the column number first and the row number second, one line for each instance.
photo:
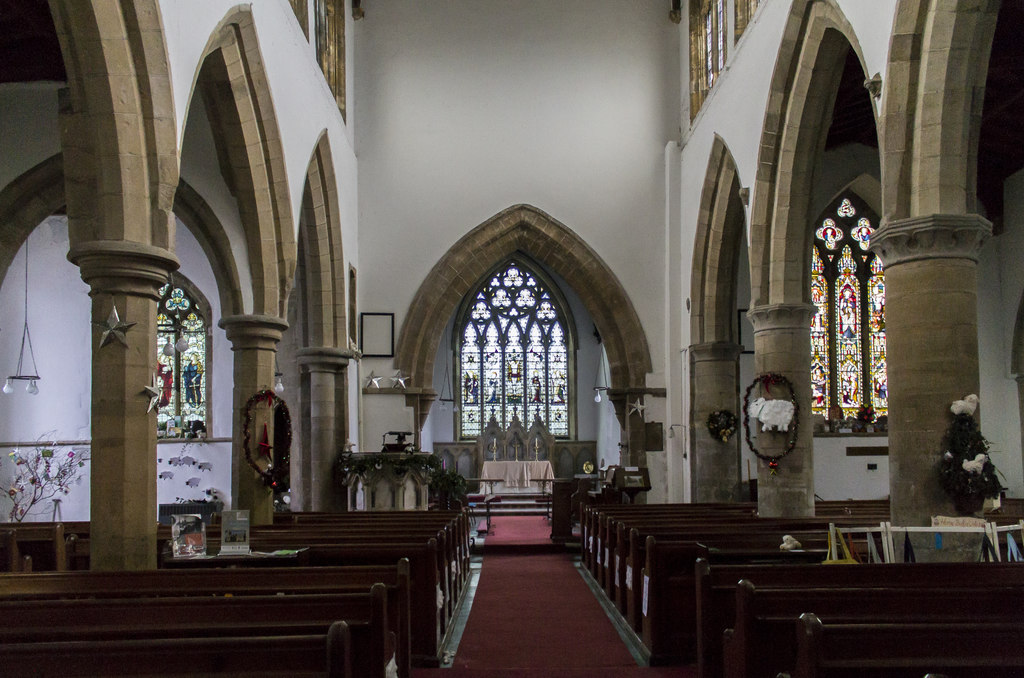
column 523, row 228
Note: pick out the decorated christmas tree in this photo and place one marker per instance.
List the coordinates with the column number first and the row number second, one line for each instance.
column 966, row 471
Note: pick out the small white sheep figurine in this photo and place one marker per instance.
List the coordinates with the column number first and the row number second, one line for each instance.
column 977, row 465
column 966, row 406
column 773, row 414
column 789, row 543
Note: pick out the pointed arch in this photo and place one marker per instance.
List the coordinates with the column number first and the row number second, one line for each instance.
column 807, row 73
column 523, row 228
column 25, row 202
column 720, row 229
column 119, row 122
column 236, row 93
column 324, row 265
column 933, row 100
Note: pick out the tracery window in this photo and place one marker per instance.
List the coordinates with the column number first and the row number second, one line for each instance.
column 183, row 358
column 707, row 48
column 848, row 360
column 515, row 352
column 744, row 13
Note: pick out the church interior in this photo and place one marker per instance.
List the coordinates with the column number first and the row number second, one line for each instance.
column 603, row 267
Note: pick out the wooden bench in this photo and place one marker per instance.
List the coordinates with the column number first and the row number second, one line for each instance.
column 223, row 582
column 761, row 642
column 885, row 650
column 190, row 617
column 716, row 589
column 323, row 654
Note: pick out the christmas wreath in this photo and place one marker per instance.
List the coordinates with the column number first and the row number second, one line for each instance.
column 272, row 474
column 722, row 424
column 768, row 381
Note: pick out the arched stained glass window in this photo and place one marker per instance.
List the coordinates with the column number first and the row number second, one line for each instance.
column 514, row 354
column 848, row 332
column 183, row 323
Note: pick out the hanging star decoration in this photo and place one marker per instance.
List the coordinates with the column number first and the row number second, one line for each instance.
column 264, row 445
column 398, row 381
column 637, row 408
column 373, row 381
column 153, row 393
column 113, row 329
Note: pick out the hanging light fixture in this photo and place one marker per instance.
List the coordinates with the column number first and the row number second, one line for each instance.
column 447, row 394
column 600, row 381
column 278, row 381
column 168, row 348
column 26, row 336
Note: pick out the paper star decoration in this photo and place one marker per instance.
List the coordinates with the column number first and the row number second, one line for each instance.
column 637, row 408
column 398, row 380
column 265, row 446
column 373, row 381
column 153, row 393
column 114, row 329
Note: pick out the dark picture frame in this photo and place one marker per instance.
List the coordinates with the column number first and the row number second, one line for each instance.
column 377, row 335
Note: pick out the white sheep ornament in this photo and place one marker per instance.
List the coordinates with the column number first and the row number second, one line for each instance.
column 966, row 406
column 773, row 414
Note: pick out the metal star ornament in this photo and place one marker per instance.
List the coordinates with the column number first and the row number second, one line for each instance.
column 637, row 408
column 373, row 381
column 398, row 381
column 153, row 393
column 113, row 329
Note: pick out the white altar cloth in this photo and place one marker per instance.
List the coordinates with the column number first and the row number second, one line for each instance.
column 518, row 474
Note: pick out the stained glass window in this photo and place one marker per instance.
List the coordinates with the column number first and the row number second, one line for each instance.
column 708, row 47
column 514, row 354
column 182, row 360
column 848, row 362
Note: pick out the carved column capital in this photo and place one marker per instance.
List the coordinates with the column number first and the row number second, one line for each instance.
column 322, row 358
column 716, row 351
column 123, row 267
column 932, row 236
column 253, row 331
column 770, row 317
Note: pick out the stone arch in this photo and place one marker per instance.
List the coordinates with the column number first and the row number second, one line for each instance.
column 206, row 227
column 933, row 98
column 320, row 234
column 25, row 202
column 720, row 226
column 236, row 93
column 523, row 228
column 867, row 187
column 801, row 97
column 118, row 122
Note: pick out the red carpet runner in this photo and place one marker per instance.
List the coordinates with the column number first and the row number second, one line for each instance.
column 533, row 616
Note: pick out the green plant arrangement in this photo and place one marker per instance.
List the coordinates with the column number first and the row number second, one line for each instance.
column 43, row 473
column 399, row 463
column 966, row 472
column 448, row 483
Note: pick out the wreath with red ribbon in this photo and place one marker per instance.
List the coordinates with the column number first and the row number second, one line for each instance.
column 767, row 381
column 272, row 474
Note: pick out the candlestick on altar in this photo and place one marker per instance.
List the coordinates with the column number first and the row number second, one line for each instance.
column 536, row 449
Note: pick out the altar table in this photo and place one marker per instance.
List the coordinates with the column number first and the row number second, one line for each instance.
column 518, row 474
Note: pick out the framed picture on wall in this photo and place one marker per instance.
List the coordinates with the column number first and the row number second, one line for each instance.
column 377, row 335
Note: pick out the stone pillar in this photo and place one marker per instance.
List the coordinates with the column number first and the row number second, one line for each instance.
column 715, row 385
column 634, row 431
column 126, row 276
column 254, row 341
column 932, row 348
column 323, row 365
column 420, row 400
column 782, row 345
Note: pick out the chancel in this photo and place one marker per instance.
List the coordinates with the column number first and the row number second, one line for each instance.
column 585, row 307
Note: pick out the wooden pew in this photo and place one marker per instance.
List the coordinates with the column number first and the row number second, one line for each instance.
column 224, row 582
column 190, row 617
column 884, row 650
column 324, row 654
column 716, row 589
column 761, row 642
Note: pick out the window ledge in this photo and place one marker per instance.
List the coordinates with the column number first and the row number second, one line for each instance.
column 866, row 434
